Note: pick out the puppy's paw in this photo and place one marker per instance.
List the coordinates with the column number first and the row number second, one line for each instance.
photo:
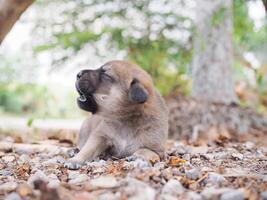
column 147, row 155
column 72, row 152
column 73, row 164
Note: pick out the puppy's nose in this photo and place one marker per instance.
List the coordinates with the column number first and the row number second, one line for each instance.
column 79, row 75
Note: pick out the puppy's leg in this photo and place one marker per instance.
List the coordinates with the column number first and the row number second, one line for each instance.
column 147, row 155
column 91, row 149
column 87, row 127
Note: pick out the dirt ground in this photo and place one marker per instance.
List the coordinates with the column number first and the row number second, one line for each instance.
column 226, row 168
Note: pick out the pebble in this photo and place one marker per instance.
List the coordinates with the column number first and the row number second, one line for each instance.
column 73, row 174
column 173, row 187
column 13, row 196
column 38, row 175
column 24, row 158
column 104, row 182
column 210, row 193
column 249, row 145
column 24, row 190
column 108, row 196
column 237, row 156
column 80, row 179
column 233, row 195
column 138, row 190
column 8, row 186
column 6, row 172
column 167, row 197
column 53, row 161
column 264, row 195
column 192, row 174
column 140, row 163
column 159, row 165
column 214, row 179
column 194, row 196
column 221, row 155
column 8, row 159
column 180, row 149
column 53, row 183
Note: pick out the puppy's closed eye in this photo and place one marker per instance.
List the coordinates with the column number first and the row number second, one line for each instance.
column 137, row 92
column 104, row 75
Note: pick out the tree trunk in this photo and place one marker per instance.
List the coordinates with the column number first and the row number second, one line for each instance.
column 10, row 11
column 212, row 61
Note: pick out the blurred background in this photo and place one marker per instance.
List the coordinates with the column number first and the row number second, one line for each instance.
column 54, row 39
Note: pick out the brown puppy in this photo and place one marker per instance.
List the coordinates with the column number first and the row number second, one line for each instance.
column 129, row 115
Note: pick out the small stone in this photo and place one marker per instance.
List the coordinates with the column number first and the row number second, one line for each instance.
column 192, row 174
column 237, row 156
column 180, row 149
column 233, row 195
column 214, row 179
column 52, row 177
column 80, row 179
column 173, row 187
column 13, row 196
column 194, row 196
column 264, row 195
column 24, row 190
column 73, row 174
column 167, row 197
column 8, row 139
column 38, row 175
column 104, row 182
column 249, row 145
column 186, row 156
column 159, row 165
column 6, row 172
column 138, row 190
column 53, row 161
column 8, row 159
column 208, row 156
column 221, row 155
column 84, row 196
column 107, row 195
column 211, row 193
column 140, row 163
column 53, row 183
column 24, row 158
column 8, row 186
column 59, row 159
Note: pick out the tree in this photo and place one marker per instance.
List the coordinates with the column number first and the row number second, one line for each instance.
column 213, row 55
column 10, row 12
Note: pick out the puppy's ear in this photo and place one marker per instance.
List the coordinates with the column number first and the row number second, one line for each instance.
column 137, row 92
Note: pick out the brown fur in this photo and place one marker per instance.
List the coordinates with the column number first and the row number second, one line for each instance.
column 120, row 126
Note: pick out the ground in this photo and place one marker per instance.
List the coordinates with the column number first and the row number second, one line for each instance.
column 226, row 168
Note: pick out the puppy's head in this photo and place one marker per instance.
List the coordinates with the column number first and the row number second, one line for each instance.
column 116, row 87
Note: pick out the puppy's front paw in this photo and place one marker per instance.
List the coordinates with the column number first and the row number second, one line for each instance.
column 73, row 164
column 72, row 152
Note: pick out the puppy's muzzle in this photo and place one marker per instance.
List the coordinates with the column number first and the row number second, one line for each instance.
column 86, row 84
column 87, row 81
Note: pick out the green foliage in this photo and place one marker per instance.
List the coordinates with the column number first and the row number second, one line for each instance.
column 219, row 16
column 161, row 55
column 154, row 39
column 35, row 100
column 30, row 122
column 248, row 38
column 19, row 98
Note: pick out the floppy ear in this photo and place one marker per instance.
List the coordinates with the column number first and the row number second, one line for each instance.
column 137, row 92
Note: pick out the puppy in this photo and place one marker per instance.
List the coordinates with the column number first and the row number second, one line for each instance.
column 129, row 115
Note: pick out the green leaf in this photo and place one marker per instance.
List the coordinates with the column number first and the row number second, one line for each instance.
column 30, row 122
